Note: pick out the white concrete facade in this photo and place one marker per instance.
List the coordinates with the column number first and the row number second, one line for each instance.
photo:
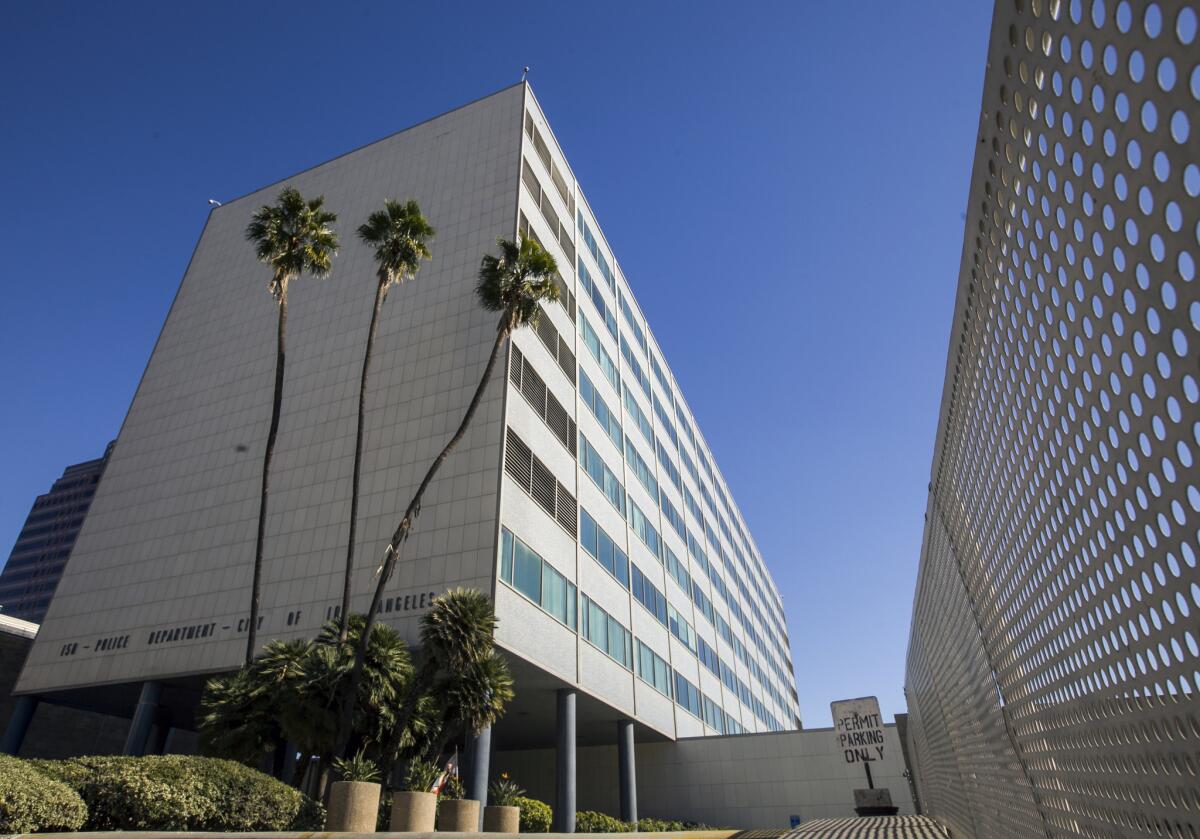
column 749, row 781
column 157, row 586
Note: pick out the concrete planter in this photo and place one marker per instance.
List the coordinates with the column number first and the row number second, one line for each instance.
column 353, row 807
column 413, row 812
column 497, row 819
column 458, row 815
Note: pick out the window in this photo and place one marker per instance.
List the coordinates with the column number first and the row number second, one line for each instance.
column 599, row 408
column 606, row 634
column 593, row 292
column 602, row 548
column 664, row 417
column 671, row 514
column 593, row 247
column 592, row 341
column 713, row 715
column 645, row 531
column 687, row 695
column 642, row 469
column 661, row 376
column 675, row 569
column 646, row 593
column 690, row 465
column 686, row 426
column 635, row 367
column 728, row 678
column 668, row 465
column 680, row 628
column 639, row 416
column 653, row 670
column 696, row 551
column 528, row 573
column 708, row 657
column 601, row 475
column 631, row 319
column 703, row 604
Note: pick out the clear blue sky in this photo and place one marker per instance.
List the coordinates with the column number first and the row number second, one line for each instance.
column 783, row 184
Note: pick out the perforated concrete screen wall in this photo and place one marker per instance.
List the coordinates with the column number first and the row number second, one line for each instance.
column 1053, row 662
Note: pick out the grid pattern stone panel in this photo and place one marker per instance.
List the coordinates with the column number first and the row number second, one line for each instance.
column 1054, row 660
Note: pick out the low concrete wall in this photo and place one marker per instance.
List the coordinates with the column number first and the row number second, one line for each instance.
column 742, row 781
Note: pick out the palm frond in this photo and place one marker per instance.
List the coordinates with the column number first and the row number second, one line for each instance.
column 399, row 235
column 293, row 236
column 516, row 281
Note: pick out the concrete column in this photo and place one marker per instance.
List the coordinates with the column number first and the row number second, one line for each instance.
column 18, row 724
column 626, row 765
column 564, row 779
column 289, row 762
column 156, row 742
column 479, row 755
column 143, row 719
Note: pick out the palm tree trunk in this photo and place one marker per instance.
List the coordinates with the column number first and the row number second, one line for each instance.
column 323, row 778
column 402, row 531
column 301, row 769
column 348, row 582
column 276, row 405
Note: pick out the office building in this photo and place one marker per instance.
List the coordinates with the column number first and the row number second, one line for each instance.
column 44, row 545
column 630, row 593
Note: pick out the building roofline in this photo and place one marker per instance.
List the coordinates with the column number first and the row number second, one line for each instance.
column 369, row 144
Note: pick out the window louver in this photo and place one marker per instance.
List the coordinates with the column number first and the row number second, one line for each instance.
column 533, row 388
column 539, row 482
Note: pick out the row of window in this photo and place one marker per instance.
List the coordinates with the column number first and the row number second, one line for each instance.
column 592, row 341
column 604, row 549
column 607, row 481
column 593, row 247
column 612, row 426
column 600, row 353
column 595, row 403
column 603, row 477
column 597, row 298
column 526, row 572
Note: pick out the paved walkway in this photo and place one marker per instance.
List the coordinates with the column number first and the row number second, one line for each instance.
column 869, row 827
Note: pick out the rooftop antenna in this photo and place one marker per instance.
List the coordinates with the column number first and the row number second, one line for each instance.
column 526, row 73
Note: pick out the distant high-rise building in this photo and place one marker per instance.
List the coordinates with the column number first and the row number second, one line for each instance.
column 44, row 545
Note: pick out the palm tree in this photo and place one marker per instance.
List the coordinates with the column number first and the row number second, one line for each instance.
column 472, row 698
column 292, row 236
column 398, row 234
column 513, row 284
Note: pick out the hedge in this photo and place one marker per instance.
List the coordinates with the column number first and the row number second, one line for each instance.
column 536, row 816
column 30, row 801
column 589, row 821
column 178, row 792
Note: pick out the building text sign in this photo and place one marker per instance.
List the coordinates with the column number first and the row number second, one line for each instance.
column 858, row 726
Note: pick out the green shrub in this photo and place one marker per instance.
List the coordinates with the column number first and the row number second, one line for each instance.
column 649, row 825
column 31, row 801
column 536, row 816
column 177, row 792
column 589, row 821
